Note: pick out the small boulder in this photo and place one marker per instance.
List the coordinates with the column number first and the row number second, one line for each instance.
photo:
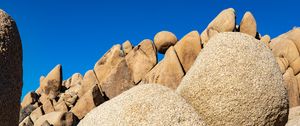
column 236, row 81
column 266, row 39
column 224, row 22
column 48, row 106
column 109, row 61
column 291, row 84
column 149, row 104
column 248, row 24
column 36, row 114
column 163, row 40
column 118, row 80
column 57, row 119
column 187, row 49
column 26, row 111
column 26, row 122
column 127, row 47
column 61, row 106
column 141, row 59
column 89, row 80
column 87, row 102
column 167, row 72
column 29, row 98
column 52, row 82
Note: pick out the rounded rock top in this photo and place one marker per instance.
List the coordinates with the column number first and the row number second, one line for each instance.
column 163, row 40
column 147, row 104
column 235, row 80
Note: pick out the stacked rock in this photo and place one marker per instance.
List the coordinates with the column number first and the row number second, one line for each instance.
column 58, row 102
column 225, row 80
column 286, row 51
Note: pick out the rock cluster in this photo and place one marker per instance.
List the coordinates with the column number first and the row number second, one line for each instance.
column 235, row 75
column 58, row 102
column 286, row 51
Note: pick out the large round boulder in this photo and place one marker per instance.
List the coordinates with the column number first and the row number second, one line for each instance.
column 236, row 81
column 147, row 104
column 163, row 40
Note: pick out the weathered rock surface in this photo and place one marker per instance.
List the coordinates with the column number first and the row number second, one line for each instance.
column 235, row 80
column 163, row 40
column 36, row 114
column 51, row 85
column 26, row 122
column 10, row 69
column 29, row 98
column 109, row 61
column 224, row 22
column 89, row 80
column 87, row 102
column 187, row 49
column 57, row 119
column 248, row 24
column 266, row 39
column 141, row 59
column 149, row 104
column 294, row 117
column 168, row 72
column 286, row 51
column 127, row 47
column 291, row 84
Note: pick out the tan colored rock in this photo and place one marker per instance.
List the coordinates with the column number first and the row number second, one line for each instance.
column 57, row 119
column 89, row 80
column 76, row 79
column 48, row 106
column 286, row 53
column 69, row 99
column 46, row 123
column 266, row 39
column 224, row 22
column 118, row 80
column 11, row 70
column 109, row 61
column 29, row 98
column 26, row 111
column 149, row 104
column 26, row 122
column 291, row 84
column 187, row 49
column 127, row 47
column 52, row 82
column 294, row 112
column 36, row 114
column 87, row 102
column 232, row 82
column 163, row 40
column 61, row 106
column 141, row 59
column 248, row 24
column 39, row 90
column 167, row 72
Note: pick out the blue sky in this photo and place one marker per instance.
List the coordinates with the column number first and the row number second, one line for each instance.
column 76, row 33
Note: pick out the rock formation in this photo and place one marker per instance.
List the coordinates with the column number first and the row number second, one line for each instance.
column 125, row 66
column 11, row 70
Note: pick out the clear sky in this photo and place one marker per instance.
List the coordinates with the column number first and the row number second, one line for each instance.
column 76, row 33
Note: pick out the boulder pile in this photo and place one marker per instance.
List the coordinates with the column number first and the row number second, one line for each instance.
column 228, row 75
